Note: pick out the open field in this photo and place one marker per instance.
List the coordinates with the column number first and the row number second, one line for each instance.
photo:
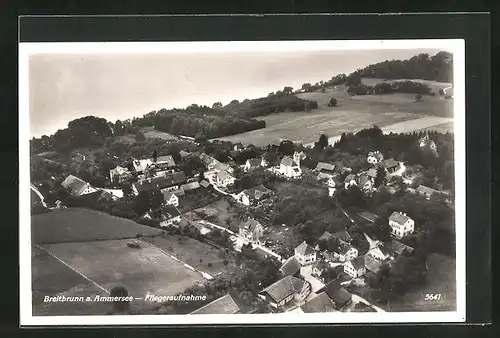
column 80, row 225
column 150, row 132
column 195, row 253
column 111, row 263
column 219, row 212
column 351, row 115
column 51, row 278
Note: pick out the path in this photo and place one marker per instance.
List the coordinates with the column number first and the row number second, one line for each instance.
column 42, row 199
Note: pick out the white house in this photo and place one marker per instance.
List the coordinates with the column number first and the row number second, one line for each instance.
column 305, row 254
column 141, row 165
column 255, row 195
column 374, row 157
column 289, row 168
column 350, row 180
column 120, row 173
column 251, row 230
column 285, row 290
column 77, row 187
column 299, row 156
column 170, row 215
column 165, row 162
column 170, row 198
column 223, row 178
column 252, row 163
column 356, row 267
column 401, row 225
column 346, row 252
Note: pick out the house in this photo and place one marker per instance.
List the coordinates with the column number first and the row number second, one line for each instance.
column 298, row 157
column 115, row 193
column 374, row 157
column 204, row 183
column 184, row 154
column 305, row 254
column 372, row 265
column 142, row 165
column 372, row 174
column 285, row 290
column 368, row 216
column 223, row 178
column 224, row 305
column 252, row 163
column 170, row 215
column 251, row 230
column 219, row 166
column 170, row 197
column 427, row 192
column 375, row 249
column 342, row 236
column 401, row 225
column 365, row 183
column 356, row 267
column 341, row 297
column 119, row 174
column 165, row 162
column 238, row 146
column 190, row 186
column 390, row 165
column 77, row 187
column 201, row 228
column 346, row 252
column 291, row 267
column 325, row 236
column 208, row 161
column 319, row 304
column 318, row 268
column 325, row 170
column 169, row 182
column 254, row 196
column 396, row 248
column 426, row 143
column 350, row 180
column 289, row 168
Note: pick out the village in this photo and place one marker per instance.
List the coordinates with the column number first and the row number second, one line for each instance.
column 323, row 274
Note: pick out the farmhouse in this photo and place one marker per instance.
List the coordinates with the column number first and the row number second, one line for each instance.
column 299, row 156
column 291, row 267
column 372, row 174
column 223, row 178
column 350, row 180
column 170, row 215
column 76, row 186
column 390, row 165
column 378, row 253
column 141, row 165
column 251, row 230
column 319, row 267
column 325, row 170
column 170, row 198
column 289, row 168
column 342, row 236
column 165, row 162
column 374, row 157
column 223, row 305
column 169, row 182
column 319, row 304
column 346, row 252
column 285, row 290
column 427, row 192
column 401, row 225
column 305, row 254
column 115, row 193
column 368, row 216
column 356, row 267
column 119, row 174
column 341, row 297
column 252, row 163
column 254, row 196
column 208, row 161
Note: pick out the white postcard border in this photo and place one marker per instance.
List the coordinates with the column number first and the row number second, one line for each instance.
column 456, row 46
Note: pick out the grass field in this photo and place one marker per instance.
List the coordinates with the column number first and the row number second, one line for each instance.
column 219, row 212
column 351, row 114
column 52, row 278
column 150, row 133
column 195, row 253
column 80, row 225
column 111, row 263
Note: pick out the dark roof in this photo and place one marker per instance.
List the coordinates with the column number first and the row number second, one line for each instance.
column 160, row 182
column 426, row 190
column 304, row 249
column 344, row 247
column 321, row 264
column 368, row 216
column 350, row 177
column 184, row 153
column 255, row 162
column 190, row 186
column 290, row 267
column 74, row 185
column 321, row 303
column 170, row 211
column 284, row 287
column 250, row 224
column 222, row 305
column 390, row 163
column 359, row 262
column 167, row 194
column 395, row 246
column 325, row 167
column 398, row 218
column 342, row 235
column 325, row 236
column 338, row 294
column 167, row 160
column 372, row 264
column 257, row 192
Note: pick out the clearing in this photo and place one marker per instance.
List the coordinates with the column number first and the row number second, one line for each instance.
column 352, row 114
column 150, row 132
column 81, row 225
column 220, row 213
column 111, row 263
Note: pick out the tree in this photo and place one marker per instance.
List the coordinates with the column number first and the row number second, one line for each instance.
column 139, row 136
column 322, row 142
column 306, row 87
column 380, row 178
column 126, row 188
column 141, row 203
column 217, row 105
column 288, row 90
column 120, row 305
column 201, row 139
column 286, row 147
column 333, row 102
column 154, row 156
column 155, row 199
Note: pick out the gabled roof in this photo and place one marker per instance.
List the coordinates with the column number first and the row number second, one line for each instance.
column 166, row 160
column 350, row 177
column 257, row 192
column 344, row 247
column 141, row 165
column 368, row 216
column 118, row 170
column 290, row 267
column 190, row 186
column 287, row 161
column 320, row 265
column 358, row 262
column 338, row 294
column 204, row 183
column 372, row 172
column 207, row 159
column 184, row 153
column 325, row 236
column 223, row 175
column 321, row 303
column 342, row 235
column 372, row 264
column 324, row 167
column 390, row 163
column 222, row 167
column 250, row 224
column 426, row 190
column 395, row 246
column 160, row 182
column 284, row 287
column 74, row 185
column 255, row 162
column 304, row 249
column 170, row 211
column 222, row 305
column 398, row 218
column 167, row 195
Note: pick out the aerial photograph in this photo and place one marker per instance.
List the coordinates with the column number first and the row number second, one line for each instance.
column 249, row 182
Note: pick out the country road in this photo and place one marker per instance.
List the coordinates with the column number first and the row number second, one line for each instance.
column 39, row 195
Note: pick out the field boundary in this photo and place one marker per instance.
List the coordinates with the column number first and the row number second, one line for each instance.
column 73, row 269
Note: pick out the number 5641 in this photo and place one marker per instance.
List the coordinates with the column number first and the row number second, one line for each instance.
column 432, row 296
